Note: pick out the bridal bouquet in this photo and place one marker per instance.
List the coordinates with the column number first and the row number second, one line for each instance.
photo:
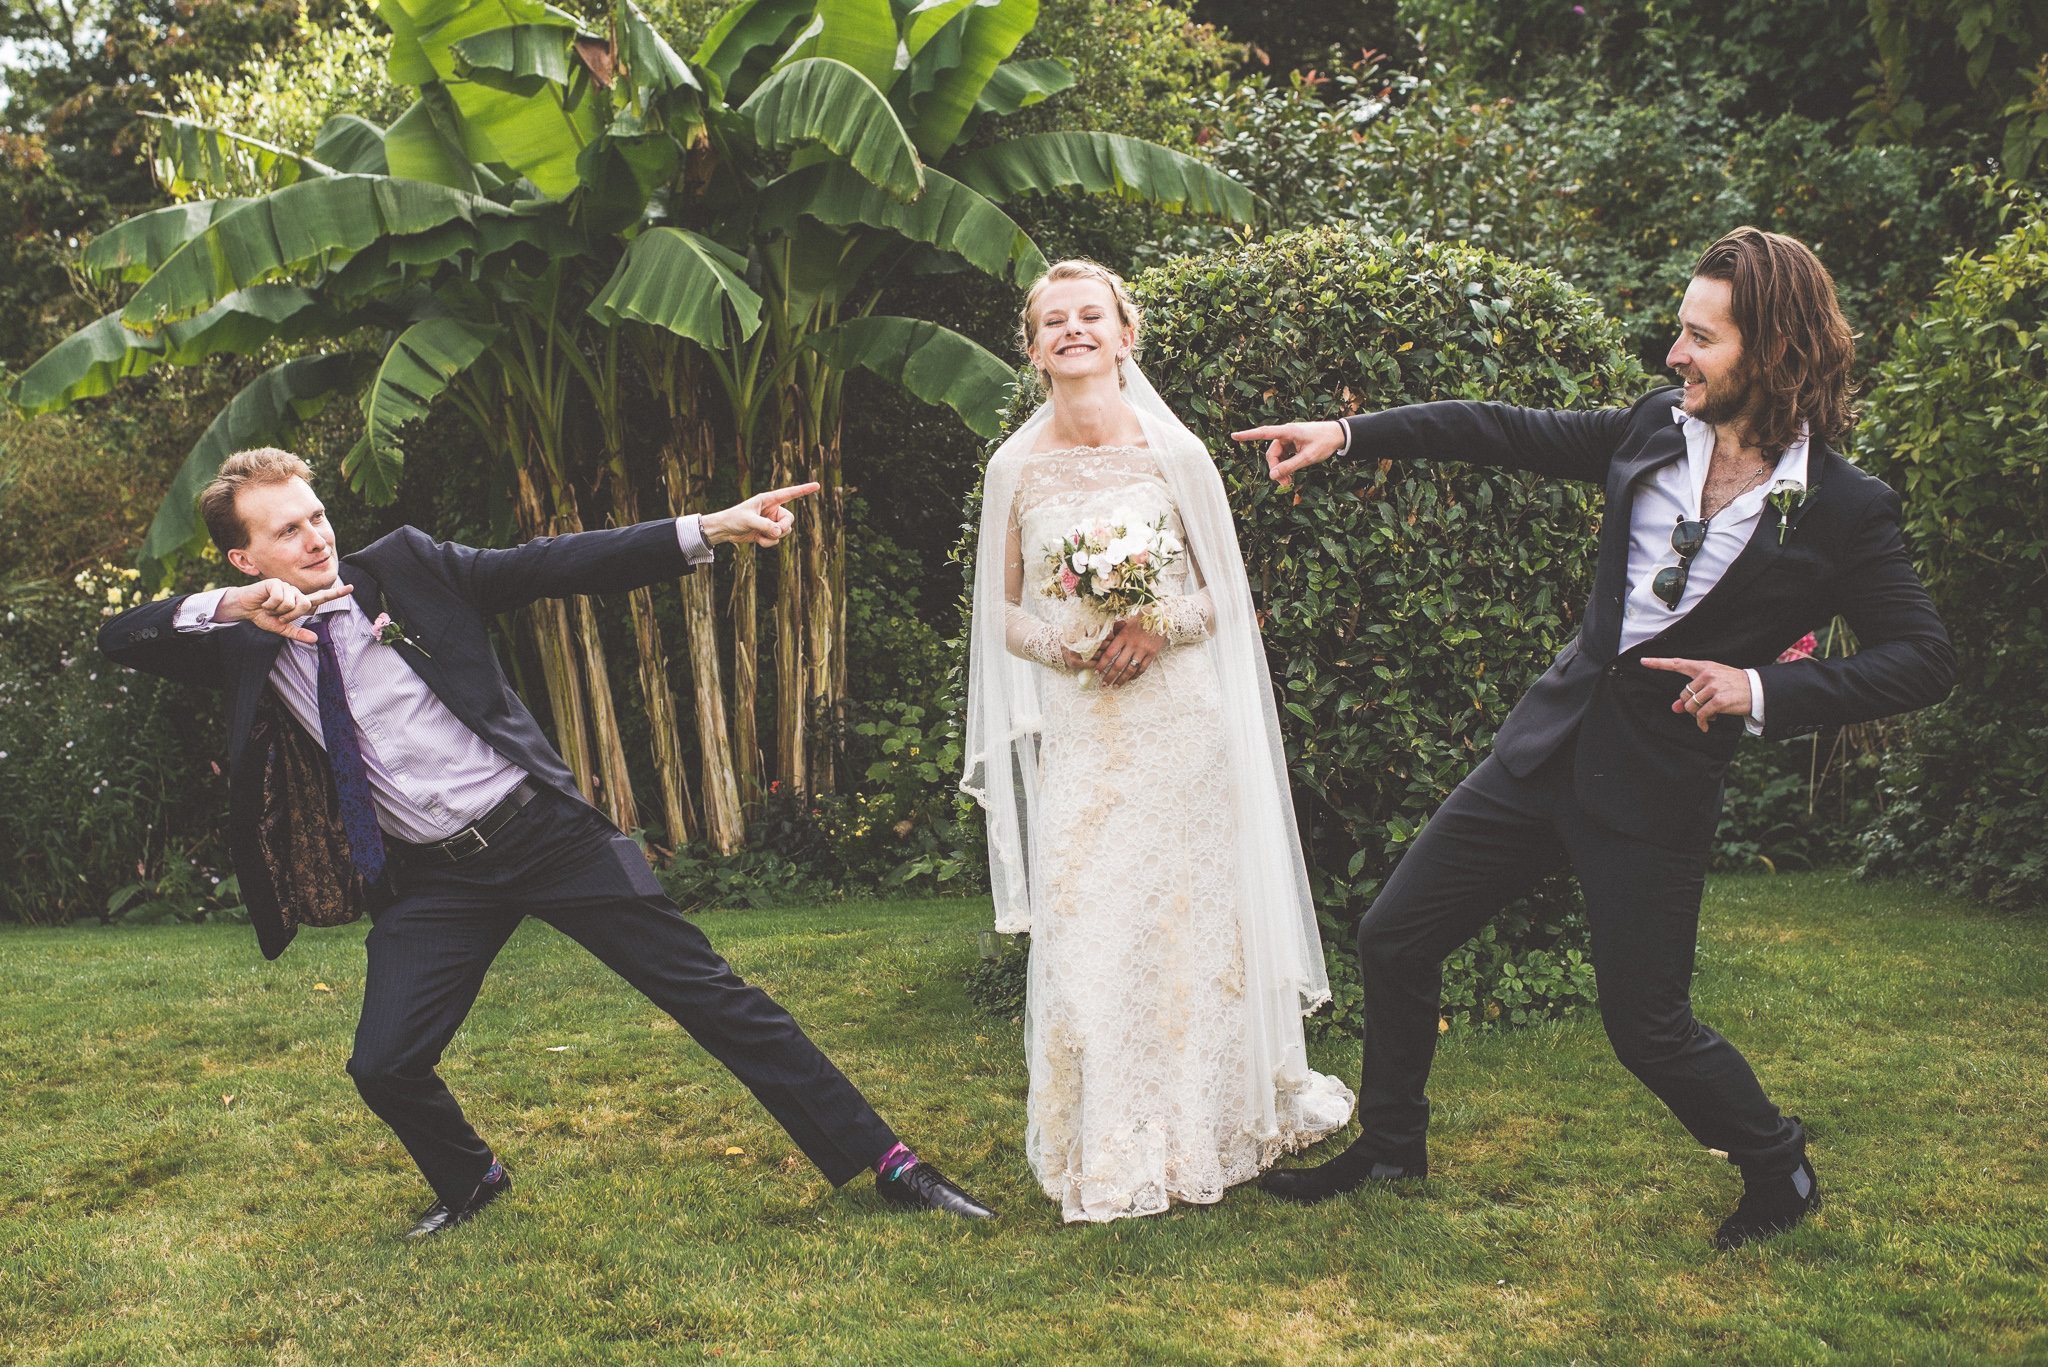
column 1112, row 568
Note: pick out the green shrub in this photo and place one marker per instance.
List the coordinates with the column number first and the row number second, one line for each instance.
column 109, row 803
column 1616, row 191
column 1958, row 424
column 1405, row 607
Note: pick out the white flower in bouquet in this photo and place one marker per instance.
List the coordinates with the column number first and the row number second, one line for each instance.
column 1112, row 569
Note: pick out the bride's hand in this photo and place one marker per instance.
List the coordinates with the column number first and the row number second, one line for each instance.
column 1077, row 662
column 1127, row 653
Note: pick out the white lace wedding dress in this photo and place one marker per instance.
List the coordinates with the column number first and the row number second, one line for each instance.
column 1136, row 1019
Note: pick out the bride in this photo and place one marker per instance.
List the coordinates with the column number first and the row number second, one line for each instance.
column 1139, row 823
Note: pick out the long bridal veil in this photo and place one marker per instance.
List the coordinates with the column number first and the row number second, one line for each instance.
column 1284, row 972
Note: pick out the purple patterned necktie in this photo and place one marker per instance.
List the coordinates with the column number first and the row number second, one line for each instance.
column 345, row 756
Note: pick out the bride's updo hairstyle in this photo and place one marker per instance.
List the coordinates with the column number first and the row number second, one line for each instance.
column 1078, row 268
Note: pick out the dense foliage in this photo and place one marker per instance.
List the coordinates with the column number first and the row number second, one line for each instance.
column 1404, row 607
column 1958, row 423
column 1605, row 142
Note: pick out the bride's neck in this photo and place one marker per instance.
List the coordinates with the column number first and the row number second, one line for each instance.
column 1093, row 414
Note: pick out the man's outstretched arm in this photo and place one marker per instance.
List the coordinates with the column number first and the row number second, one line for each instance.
column 1558, row 443
column 164, row 638
column 610, row 561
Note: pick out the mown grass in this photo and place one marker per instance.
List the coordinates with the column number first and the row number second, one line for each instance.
column 186, row 1173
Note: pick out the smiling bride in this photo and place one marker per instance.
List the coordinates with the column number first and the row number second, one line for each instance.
column 1122, row 736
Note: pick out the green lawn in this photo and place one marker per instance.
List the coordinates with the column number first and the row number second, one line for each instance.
column 186, row 1173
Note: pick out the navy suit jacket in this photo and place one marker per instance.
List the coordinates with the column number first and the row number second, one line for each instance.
column 290, row 854
column 1641, row 768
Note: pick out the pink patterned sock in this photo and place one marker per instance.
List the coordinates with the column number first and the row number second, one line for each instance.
column 897, row 1161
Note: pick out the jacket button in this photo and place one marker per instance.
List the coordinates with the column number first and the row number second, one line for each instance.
column 1614, row 670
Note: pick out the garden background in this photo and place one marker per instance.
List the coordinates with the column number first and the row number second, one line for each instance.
column 502, row 270
column 1445, row 199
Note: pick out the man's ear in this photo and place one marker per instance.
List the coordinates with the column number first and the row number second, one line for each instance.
column 239, row 558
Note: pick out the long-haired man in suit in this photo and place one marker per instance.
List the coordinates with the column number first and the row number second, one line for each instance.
column 380, row 762
column 1732, row 527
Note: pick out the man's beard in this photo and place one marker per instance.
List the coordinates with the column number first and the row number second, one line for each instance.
column 1729, row 404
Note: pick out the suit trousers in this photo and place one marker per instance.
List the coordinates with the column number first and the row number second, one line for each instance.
column 1490, row 842
column 561, row 861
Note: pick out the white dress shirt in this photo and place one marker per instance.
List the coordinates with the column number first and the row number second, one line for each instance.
column 430, row 775
column 1670, row 495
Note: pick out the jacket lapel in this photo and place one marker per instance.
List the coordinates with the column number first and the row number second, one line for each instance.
column 1758, row 555
column 374, row 597
column 1610, row 586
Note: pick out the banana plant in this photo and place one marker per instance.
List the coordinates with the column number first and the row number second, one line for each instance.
column 831, row 241
column 567, row 202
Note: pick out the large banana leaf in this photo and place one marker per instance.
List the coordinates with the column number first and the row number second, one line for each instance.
column 949, row 216
column 521, row 59
column 197, row 159
column 131, row 251
column 263, row 414
column 673, row 279
column 419, row 365
column 425, row 143
column 989, row 33
column 860, row 33
column 1019, row 85
column 537, row 136
column 93, row 359
column 349, row 142
column 291, row 228
column 1099, row 163
column 745, row 29
column 818, row 100
column 652, row 66
column 620, row 172
column 936, row 364
column 929, row 18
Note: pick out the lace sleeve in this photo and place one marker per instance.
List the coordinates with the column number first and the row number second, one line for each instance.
column 1186, row 618
column 1025, row 636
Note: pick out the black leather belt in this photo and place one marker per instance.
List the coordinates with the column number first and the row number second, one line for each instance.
column 474, row 838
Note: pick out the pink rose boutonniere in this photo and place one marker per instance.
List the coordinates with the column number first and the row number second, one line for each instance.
column 1800, row 649
column 390, row 633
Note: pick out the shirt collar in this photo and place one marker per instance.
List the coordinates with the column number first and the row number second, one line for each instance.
column 1792, row 466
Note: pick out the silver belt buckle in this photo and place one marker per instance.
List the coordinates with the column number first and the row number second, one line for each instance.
column 458, row 847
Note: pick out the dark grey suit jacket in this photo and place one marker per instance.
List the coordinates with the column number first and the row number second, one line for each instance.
column 1641, row 768
column 444, row 595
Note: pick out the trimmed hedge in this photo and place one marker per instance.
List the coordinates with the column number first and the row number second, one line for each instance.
column 1958, row 424
column 1405, row 608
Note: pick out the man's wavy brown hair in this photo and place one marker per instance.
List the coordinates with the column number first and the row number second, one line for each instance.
column 1797, row 347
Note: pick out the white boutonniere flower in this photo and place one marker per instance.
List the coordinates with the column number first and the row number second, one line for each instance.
column 1789, row 496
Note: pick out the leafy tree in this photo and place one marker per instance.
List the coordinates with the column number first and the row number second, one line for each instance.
column 555, row 209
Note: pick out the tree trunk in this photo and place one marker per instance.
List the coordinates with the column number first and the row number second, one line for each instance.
column 792, row 565
column 664, row 737
column 549, row 619
column 746, row 678
column 686, row 463
column 824, row 549
column 615, row 781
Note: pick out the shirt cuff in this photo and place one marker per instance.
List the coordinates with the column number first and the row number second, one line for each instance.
column 690, row 536
column 1756, row 702
column 1344, row 446
column 198, row 610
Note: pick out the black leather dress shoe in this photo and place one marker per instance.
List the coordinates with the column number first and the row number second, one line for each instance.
column 1348, row 1171
column 440, row 1216
column 923, row 1187
column 1770, row 1206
